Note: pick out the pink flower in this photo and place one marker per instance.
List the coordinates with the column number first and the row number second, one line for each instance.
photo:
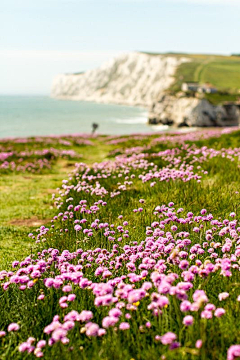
column 206, row 314
column 92, row 329
column 168, row 338
column 71, row 297
column 115, row 312
column 185, row 306
column 109, row 321
column 198, row 344
column 233, row 352
column 101, row 332
column 13, row 327
column 223, row 296
column 85, row 316
column 188, row 320
column 2, row 333
column 219, row 312
column 59, row 334
column 67, row 288
column 41, row 344
column 124, row 326
column 77, row 227
column 24, row 347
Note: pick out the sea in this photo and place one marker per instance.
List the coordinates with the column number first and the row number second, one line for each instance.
column 22, row 116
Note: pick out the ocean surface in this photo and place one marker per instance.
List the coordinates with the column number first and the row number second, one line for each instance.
column 22, row 116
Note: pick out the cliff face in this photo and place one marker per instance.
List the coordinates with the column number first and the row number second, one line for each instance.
column 189, row 111
column 130, row 79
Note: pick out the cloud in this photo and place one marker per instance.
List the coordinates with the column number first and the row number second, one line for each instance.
column 55, row 55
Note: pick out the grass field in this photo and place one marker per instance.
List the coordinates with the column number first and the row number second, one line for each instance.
column 223, row 72
column 133, row 252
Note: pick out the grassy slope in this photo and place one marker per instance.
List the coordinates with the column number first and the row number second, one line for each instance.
column 25, row 201
column 216, row 193
column 222, row 72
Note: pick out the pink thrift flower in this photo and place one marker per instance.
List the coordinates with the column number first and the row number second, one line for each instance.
column 41, row 344
column 185, row 306
column 92, row 329
column 71, row 297
column 233, row 352
column 23, row 347
column 219, row 312
column 115, row 312
column 85, row 316
column 124, row 326
column 206, row 314
column 38, row 353
column 13, row 327
column 101, row 332
column 188, row 320
column 67, row 288
column 109, row 321
column 77, row 227
column 168, row 338
column 223, row 296
column 198, row 344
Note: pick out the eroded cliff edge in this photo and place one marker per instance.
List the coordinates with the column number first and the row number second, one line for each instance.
column 139, row 79
column 190, row 111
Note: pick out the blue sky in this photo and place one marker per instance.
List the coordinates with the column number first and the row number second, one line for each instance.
column 41, row 38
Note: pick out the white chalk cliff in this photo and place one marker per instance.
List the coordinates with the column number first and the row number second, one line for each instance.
column 129, row 79
column 140, row 79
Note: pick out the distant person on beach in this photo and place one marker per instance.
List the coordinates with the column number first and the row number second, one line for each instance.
column 94, row 128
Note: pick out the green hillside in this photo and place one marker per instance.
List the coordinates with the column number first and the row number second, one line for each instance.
column 223, row 72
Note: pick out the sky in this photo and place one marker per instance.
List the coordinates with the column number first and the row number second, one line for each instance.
column 42, row 38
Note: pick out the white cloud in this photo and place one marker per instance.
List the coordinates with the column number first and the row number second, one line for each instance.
column 54, row 55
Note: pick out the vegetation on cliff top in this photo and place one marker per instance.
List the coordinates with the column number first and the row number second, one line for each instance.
column 222, row 72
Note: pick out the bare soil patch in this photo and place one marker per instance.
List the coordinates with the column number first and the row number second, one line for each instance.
column 34, row 221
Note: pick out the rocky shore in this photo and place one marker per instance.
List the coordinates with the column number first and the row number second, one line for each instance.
column 190, row 111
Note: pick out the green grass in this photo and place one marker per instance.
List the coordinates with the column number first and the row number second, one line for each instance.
column 25, row 198
column 222, row 72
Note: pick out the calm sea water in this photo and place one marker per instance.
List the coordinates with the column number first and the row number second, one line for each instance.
column 39, row 115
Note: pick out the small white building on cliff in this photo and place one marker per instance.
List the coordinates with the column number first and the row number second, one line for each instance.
column 196, row 87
